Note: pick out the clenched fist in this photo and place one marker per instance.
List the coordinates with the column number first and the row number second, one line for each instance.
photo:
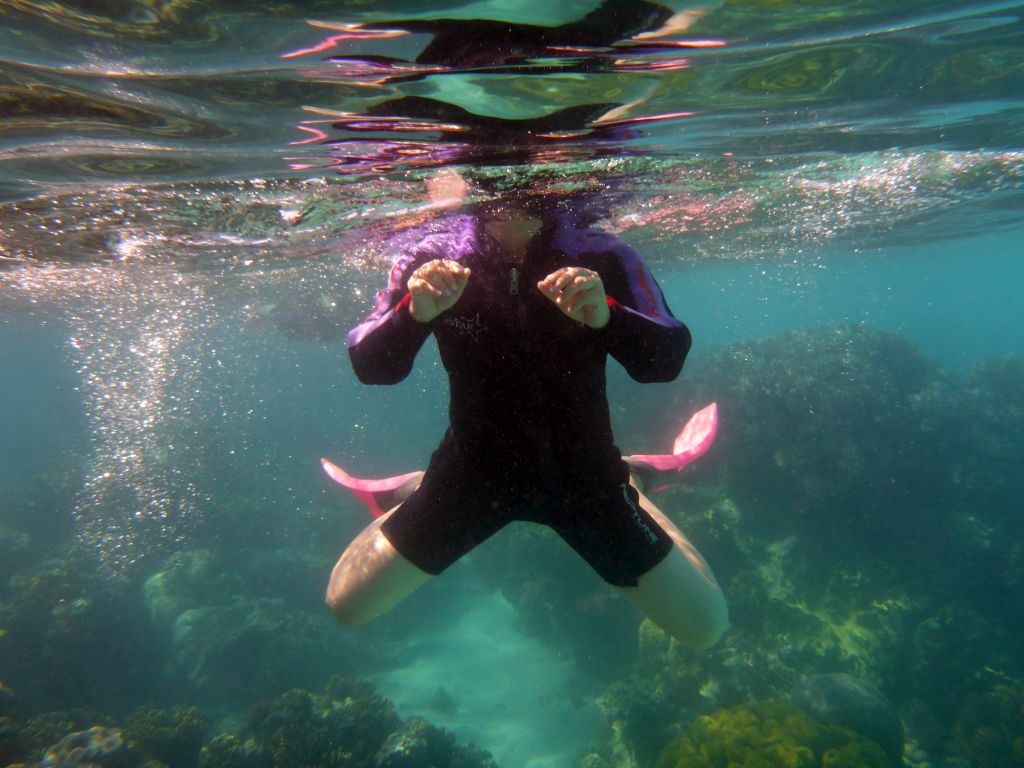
column 579, row 293
column 435, row 287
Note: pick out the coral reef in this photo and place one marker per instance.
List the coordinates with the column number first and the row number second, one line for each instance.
column 770, row 734
column 47, row 728
column 13, row 747
column 860, row 508
column 173, row 736
column 349, row 724
column 990, row 728
column 859, row 511
column 849, row 702
column 69, row 638
column 418, row 743
column 840, row 434
column 188, row 579
column 227, row 750
column 14, row 551
column 98, row 746
column 343, row 726
column 236, row 654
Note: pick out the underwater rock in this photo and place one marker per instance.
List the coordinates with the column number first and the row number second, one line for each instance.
column 949, row 649
column 344, row 726
column 845, row 434
column 235, row 654
column 173, row 735
column 13, row 547
column 229, row 751
column 349, row 725
column 418, row 743
column 188, row 579
column 990, row 728
column 69, row 637
column 97, row 747
column 854, row 704
column 46, row 729
column 13, row 745
column 7, row 701
column 770, row 734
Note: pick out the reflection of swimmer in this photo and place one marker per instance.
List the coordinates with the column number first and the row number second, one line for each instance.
column 470, row 43
column 525, row 306
column 462, row 101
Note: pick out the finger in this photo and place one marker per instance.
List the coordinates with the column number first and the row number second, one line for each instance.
column 456, row 276
column 424, row 285
column 580, row 300
column 447, row 281
column 436, row 273
column 577, row 284
column 552, row 280
column 565, row 279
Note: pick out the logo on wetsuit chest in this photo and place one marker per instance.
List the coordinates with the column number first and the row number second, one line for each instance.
column 466, row 325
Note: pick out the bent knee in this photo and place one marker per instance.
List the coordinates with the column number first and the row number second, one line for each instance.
column 344, row 610
column 711, row 623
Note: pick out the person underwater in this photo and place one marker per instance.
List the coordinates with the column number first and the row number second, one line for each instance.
column 525, row 301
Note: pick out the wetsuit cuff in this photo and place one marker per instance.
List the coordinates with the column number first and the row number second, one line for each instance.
column 404, row 322
column 403, row 312
column 615, row 312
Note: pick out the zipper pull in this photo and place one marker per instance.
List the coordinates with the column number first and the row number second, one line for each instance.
column 513, row 286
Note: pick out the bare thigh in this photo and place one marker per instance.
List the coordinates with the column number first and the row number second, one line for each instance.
column 680, row 594
column 371, row 577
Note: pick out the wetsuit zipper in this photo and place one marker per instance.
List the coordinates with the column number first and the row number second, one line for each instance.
column 513, row 282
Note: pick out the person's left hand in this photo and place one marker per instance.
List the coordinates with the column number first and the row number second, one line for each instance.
column 579, row 293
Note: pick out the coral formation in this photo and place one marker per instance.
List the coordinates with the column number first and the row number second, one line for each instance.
column 854, row 704
column 237, row 653
column 418, row 743
column 227, row 750
column 12, row 743
column 843, row 433
column 70, row 638
column 173, row 735
column 859, row 510
column 770, row 734
column 48, row 728
column 188, row 579
column 349, row 724
column 343, row 726
column 990, row 728
column 97, row 746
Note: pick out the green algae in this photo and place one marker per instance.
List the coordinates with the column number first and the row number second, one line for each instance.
column 769, row 734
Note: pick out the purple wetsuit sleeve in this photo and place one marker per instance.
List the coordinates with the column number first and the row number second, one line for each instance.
column 382, row 349
column 642, row 333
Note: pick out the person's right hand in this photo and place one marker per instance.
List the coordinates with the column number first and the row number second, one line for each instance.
column 435, row 287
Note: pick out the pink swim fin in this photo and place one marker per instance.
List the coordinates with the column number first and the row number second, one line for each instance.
column 695, row 438
column 368, row 491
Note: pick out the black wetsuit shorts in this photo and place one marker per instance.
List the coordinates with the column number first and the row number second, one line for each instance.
column 454, row 510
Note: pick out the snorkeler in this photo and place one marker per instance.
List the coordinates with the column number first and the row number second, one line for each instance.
column 525, row 305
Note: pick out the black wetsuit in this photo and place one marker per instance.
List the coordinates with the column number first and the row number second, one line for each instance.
column 530, row 435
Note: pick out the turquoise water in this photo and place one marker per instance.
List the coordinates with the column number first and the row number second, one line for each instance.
column 194, row 200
